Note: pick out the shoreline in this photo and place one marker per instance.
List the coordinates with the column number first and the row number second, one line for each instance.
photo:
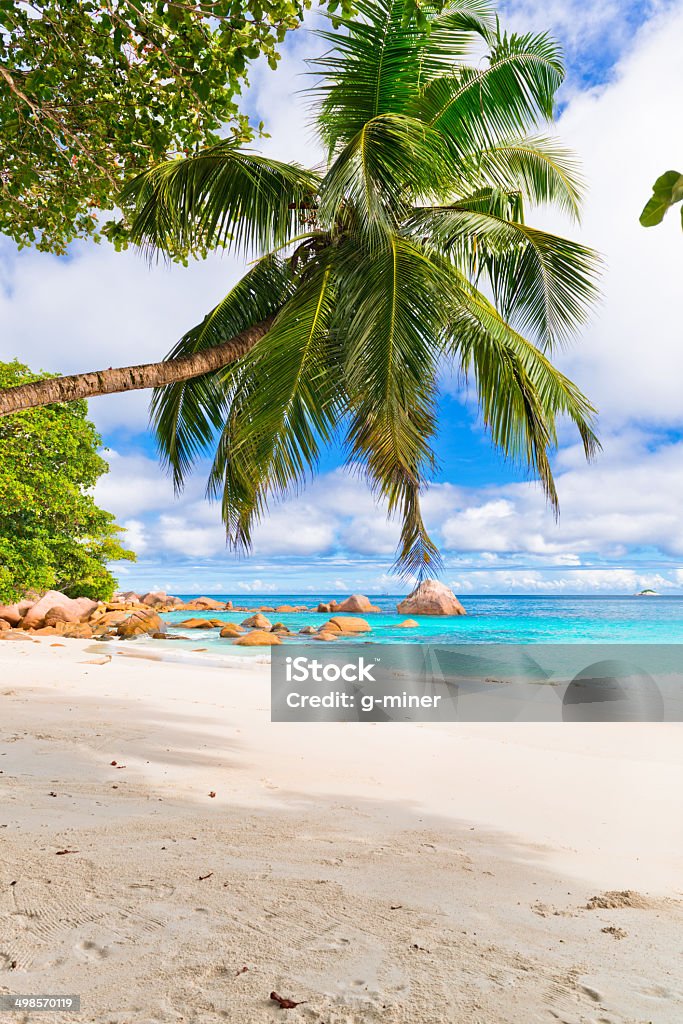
column 490, row 840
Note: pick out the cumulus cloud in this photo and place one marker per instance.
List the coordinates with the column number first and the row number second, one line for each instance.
column 584, row 581
column 609, row 507
column 630, row 359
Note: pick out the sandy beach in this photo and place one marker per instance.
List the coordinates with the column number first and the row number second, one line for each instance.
column 170, row 855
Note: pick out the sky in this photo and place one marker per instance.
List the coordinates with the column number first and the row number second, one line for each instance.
column 620, row 528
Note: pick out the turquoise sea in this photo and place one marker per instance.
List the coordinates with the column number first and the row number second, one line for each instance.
column 504, row 619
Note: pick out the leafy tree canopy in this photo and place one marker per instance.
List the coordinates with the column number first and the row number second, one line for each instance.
column 95, row 89
column 52, row 534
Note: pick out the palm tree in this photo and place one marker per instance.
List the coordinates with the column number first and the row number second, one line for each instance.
column 408, row 257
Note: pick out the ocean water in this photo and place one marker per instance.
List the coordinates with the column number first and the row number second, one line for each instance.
column 504, row 619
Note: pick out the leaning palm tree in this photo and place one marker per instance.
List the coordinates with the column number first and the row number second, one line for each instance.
column 408, row 257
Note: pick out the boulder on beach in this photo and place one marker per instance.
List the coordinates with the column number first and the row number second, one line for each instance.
column 356, row 603
column 16, row 634
column 345, row 624
column 326, row 635
column 159, row 599
column 77, row 609
column 258, row 638
column 204, row 604
column 55, row 615
column 140, row 623
column 14, row 613
column 197, row 624
column 408, row 624
column 4, row 624
column 285, row 608
column 110, row 619
column 325, row 607
column 430, row 598
column 308, row 631
column 77, row 631
column 257, row 621
column 231, row 629
column 126, row 597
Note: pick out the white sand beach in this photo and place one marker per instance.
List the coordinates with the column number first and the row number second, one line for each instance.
column 170, row 855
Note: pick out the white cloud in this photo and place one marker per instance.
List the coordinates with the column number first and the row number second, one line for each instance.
column 295, row 528
column 583, row 581
column 630, row 360
column 608, row 508
column 579, row 25
column 257, row 586
column 134, row 484
column 135, row 537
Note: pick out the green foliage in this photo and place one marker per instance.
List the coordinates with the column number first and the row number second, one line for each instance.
column 95, row 90
column 52, row 534
column 666, row 192
column 411, row 254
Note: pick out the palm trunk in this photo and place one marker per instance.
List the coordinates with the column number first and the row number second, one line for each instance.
column 131, row 378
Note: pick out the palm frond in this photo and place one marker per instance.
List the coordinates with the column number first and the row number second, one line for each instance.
column 475, row 108
column 223, row 196
column 541, row 282
column 391, row 305
column 187, row 415
column 285, row 402
column 391, row 160
column 453, row 35
column 521, row 394
column 372, row 68
column 542, row 170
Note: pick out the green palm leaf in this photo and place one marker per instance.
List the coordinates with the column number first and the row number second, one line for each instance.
column 392, row 305
column 520, row 393
column 542, row 170
column 222, row 197
column 453, row 36
column 186, row 415
column 475, row 108
column 391, row 160
column 411, row 251
column 542, row 282
column 372, row 68
column 284, row 404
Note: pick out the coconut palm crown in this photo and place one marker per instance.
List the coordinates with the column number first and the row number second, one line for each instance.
column 408, row 257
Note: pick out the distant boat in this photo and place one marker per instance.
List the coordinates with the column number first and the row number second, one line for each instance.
column 647, row 593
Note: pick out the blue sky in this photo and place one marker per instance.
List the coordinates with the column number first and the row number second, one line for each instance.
column 621, row 527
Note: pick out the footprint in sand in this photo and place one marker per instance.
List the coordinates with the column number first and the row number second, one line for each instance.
column 88, row 950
